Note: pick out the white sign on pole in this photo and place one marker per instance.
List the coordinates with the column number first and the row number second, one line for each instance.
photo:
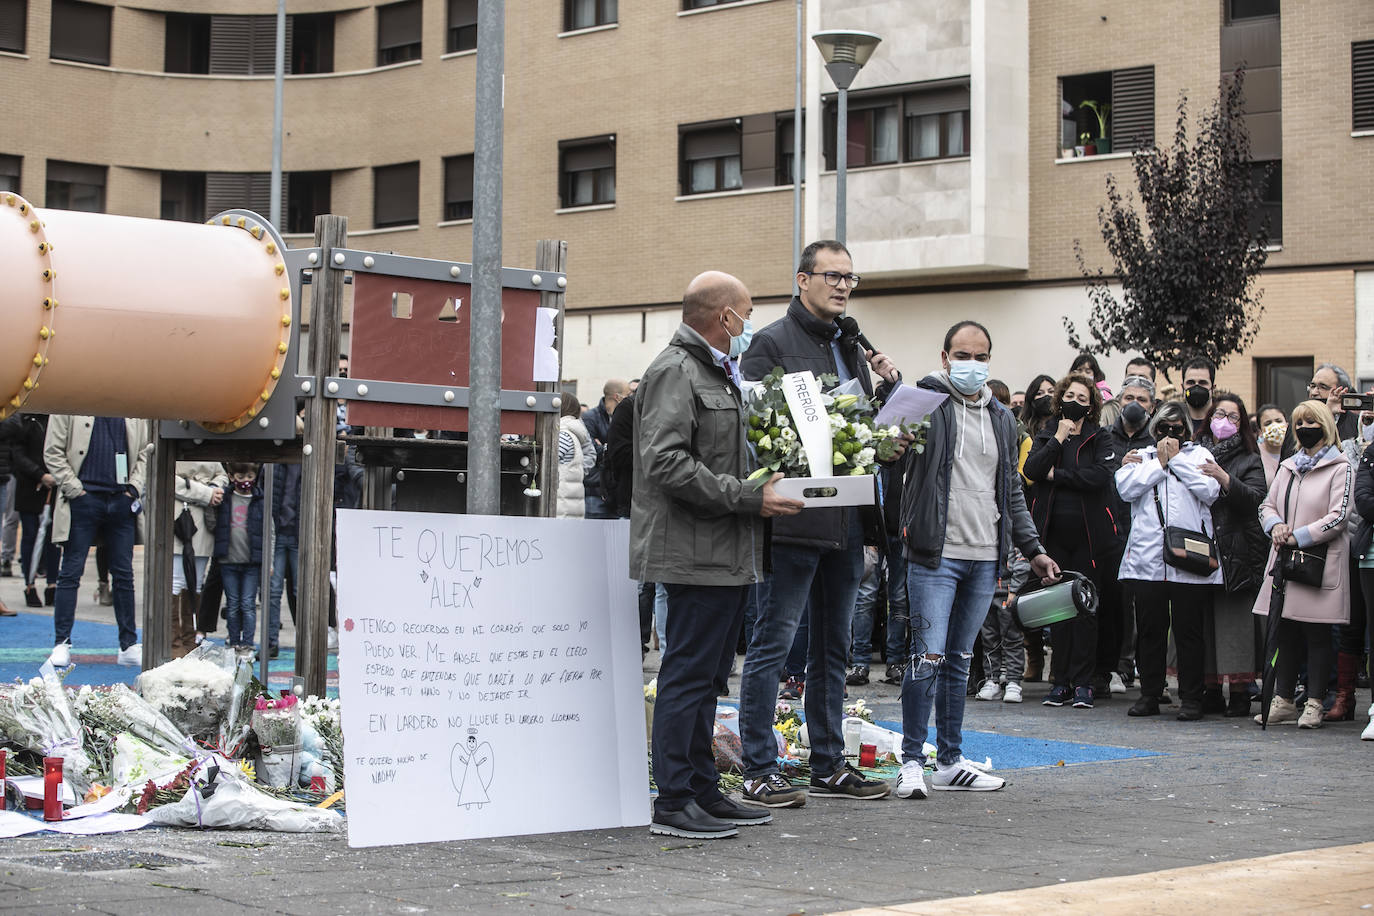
column 489, row 677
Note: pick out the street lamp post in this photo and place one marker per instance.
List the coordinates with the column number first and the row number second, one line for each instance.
column 845, row 54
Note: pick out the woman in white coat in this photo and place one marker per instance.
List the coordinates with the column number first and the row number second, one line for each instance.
column 1164, row 485
column 576, row 456
column 199, row 484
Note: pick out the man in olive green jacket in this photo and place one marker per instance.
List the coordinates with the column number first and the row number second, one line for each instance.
column 695, row 527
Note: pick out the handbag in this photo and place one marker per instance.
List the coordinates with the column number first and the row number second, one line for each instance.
column 1303, row 565
column 1185, row 549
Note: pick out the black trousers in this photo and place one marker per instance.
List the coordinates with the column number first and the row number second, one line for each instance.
column 646, row 612
column 703, row 625
column 1160, row 606
column 1075, row 641
column 1110, row 617
column 1297, row 639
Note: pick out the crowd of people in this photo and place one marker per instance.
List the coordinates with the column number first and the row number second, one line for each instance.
column 1181, row 511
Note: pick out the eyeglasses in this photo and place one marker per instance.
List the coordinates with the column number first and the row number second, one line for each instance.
column 833, row 278
column 1223, row 415
column 1317, row 386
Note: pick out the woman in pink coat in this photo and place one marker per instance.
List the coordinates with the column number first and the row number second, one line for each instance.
column 1307, row 506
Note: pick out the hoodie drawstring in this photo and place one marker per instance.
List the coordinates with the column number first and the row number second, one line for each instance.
column 982, row 430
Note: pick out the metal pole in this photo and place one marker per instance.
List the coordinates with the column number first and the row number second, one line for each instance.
column 484, row 412
column 841, row 161
column 279, row 76
column 797, row 150
column 265, row 574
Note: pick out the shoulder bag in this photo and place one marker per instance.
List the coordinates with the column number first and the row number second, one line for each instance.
column 1303, row 565
column 1185, row 549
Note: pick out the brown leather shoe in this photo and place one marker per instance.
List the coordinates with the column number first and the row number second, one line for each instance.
column 5, row 611
column 1343, row 707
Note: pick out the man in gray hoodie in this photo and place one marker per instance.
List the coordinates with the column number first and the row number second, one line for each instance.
column 962, row 510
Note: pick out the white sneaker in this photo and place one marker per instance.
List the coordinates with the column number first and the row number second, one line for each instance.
column 333, row 641
column 61, row 655
column 1012, row 694
column 1368, row 733
column 1116, row 684
column 965, row 776
column 991, row 690
column 131, row 657
column 911, row 781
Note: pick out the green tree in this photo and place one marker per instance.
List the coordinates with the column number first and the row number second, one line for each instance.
column 1188, row 255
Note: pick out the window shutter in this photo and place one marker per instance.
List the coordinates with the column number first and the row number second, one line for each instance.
column 241, row 191
column 457, row 179
column 76, row 173
column 708, row 144
column 1133, row 109
column 396, row 195
column 9, row 173
column 1362, row 85
column 758, row 146
column 588, row 156
column 398, row 24
column 12, row 31
column 231, row 46
column 81, row 32
column 936, row 101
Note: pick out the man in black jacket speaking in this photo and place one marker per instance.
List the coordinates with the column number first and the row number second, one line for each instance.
column 817, row 556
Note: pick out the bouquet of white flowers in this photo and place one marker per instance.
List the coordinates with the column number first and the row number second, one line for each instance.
column 38, row 715
column 106, row 713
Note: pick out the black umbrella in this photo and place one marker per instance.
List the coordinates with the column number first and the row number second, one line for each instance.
column 44, row 523
column 1271, row 638
column 185, row 529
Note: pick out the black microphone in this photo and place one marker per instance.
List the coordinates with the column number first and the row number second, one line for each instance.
column 849, row 329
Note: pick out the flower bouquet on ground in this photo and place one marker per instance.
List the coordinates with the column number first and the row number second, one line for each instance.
column 800, row 430
column 37, row 715
column 193, row 692
column 108, row 713
column 323, row 716
column 277, row 725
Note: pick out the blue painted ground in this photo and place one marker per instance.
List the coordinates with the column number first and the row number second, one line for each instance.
column 1016, row 752
column 26, row 640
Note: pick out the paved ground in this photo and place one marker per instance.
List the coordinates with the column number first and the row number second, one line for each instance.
column 1218, row 790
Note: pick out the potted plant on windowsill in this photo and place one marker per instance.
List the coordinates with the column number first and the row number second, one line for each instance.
column 1103, row 110
column 1085, row 143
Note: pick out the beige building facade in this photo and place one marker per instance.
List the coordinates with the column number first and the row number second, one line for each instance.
column 655, row 136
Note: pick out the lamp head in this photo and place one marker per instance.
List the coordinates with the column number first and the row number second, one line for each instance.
column 845, row 53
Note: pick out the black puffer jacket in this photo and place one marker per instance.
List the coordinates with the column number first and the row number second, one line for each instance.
column 1364, row 504
column 1240, row 540
column 9, row 440
column 27, row 460
column 1084, row 464
column 798, row 342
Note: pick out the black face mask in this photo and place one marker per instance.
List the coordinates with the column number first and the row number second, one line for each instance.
column 1135, row 414
column 1171, row 432
column 1074, row 411
column 1198, row 397
column 1040, row 406
column 1308, row 435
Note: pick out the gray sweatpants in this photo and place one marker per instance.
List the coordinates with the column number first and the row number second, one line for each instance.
column 1004, row 644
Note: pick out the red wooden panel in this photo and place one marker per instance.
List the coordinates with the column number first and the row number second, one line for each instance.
column 425, row 350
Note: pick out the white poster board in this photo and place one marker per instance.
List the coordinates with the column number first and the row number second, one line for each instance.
column 489, row 677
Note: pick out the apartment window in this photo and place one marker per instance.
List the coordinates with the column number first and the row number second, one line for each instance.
column 710, row 157
column 13, row 30
column 307, row 196
column 458, row 187
column 1124, row 99
column 587, row 171
column 703, row 4
column 183, row 196
column 1251, row 9
column 398, row 32
column 312, row 44
column 1271, row 198
column 75, row 186
column 902, row 124
column 1282, row 380
column 9, row 173
column 585, row 14
column 1362, row 85
column 186, row 47
column 786, row 160
column 240, row 191
column 462, row 26
column 396, row 195
column 80, row 32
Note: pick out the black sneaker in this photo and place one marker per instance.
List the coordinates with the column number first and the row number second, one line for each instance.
column 6, row 569
column 849, row 783
column 857, row 676
column 773, row 791
column 793, row 689
column 1189, row 711
column 1145, row 706
column 692, row 823
column 894, row 674
column 1058, row 697
column 1082, row 698
column 732, row 812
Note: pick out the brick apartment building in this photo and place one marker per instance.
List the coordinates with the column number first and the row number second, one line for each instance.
column 656, row 137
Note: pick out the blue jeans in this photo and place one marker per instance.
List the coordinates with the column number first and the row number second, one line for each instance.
column 240, row 600
column 826, row 582
column 111, row 516
column 285, row 552
column 948, row 606
column 898, row 649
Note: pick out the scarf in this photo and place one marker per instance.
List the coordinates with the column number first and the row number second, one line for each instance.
column 1303, row 462
column 1225, row 449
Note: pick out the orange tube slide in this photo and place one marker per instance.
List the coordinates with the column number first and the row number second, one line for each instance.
column 126, row 317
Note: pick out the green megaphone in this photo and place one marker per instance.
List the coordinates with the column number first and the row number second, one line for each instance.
column 1039, row 606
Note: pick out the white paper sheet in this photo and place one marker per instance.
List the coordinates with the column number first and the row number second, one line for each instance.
column 909, row 404
column 13, row 824
column 545, row 352
column 115, row 798
column 99, row 823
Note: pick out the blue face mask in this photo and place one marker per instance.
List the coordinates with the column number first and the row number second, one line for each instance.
column 739, row 343
column 967, row 375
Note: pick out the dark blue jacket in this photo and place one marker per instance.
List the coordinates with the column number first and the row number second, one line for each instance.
column 225, row 522
column 286, row 499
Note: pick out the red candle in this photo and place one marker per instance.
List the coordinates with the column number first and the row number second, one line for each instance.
column 868, row 755
column 52, row 788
